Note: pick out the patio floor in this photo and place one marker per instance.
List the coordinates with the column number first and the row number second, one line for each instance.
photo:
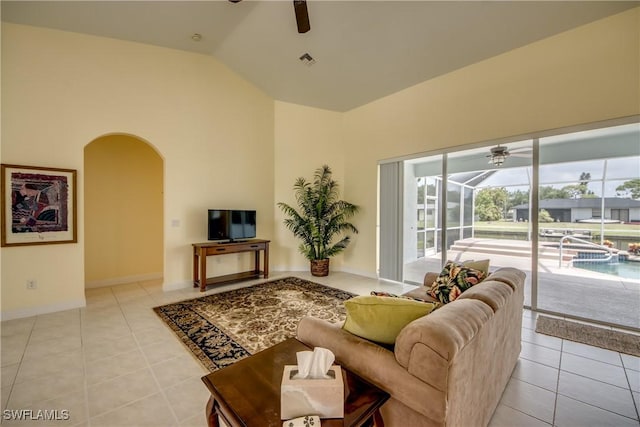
column 568, row 290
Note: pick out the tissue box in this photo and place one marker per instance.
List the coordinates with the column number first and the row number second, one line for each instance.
column 322, row 397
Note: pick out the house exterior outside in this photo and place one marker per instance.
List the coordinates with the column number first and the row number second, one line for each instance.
column 577, row 210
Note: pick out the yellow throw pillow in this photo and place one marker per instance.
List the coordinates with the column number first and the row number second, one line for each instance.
column 381, row 319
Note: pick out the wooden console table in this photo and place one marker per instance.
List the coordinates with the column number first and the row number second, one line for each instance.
column 202, row 250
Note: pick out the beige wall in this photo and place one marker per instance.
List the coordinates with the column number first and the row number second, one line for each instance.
column 305, row 139
column 585, row 75
column 226, row 145
column 61, row 90
column 123, row 209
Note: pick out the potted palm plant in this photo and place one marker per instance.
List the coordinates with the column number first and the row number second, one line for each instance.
column 320, row 218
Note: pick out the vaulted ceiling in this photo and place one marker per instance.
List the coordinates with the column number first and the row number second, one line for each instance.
column 363, row 50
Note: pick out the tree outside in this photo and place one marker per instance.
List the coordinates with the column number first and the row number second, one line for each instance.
column 491, row 204
column 545, row 216
column 629, row 188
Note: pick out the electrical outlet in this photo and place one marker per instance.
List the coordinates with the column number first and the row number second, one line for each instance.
column 32, row 284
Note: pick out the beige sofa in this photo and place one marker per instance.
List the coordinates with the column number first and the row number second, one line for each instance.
column 448, row 368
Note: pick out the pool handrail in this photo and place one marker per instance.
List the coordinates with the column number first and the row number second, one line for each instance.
column 575, row 239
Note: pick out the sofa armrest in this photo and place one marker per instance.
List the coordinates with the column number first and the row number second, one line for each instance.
column 375, row 364
column 429, row 278
column 428, row 346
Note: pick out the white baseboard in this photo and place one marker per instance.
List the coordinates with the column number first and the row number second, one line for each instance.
column 188, row 284
column 122, row 280
column 43, row 309
column 177, row 286
column 339, row 269
column 304, row 267
column 363, row 273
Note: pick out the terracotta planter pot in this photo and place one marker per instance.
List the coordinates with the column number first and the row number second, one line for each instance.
column 320, row 267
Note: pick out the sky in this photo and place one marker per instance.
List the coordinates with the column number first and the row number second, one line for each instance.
column 561, row 174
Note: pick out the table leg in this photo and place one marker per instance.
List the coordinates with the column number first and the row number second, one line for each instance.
column 377, row 419
column 256, row 262
column 266, row 261
column 195, row 268
column 212, row 417
column 203, row 270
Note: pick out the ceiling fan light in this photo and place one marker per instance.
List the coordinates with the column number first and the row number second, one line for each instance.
column 498, row 159
column 497, row 155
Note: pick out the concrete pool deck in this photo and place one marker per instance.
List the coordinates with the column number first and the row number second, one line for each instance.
column 562, row 289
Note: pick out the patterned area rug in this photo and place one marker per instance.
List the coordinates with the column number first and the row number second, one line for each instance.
column 587, row 334
column 223, row 328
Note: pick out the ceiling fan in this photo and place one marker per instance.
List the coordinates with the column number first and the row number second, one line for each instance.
column 302, row 14
column 498, row 154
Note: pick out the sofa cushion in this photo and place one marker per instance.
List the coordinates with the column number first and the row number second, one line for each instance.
column 454, row 279
column 381, row 319
column 510, row 276
column 493, row 293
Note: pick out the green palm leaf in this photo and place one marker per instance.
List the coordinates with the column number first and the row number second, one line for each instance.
column 320, row 217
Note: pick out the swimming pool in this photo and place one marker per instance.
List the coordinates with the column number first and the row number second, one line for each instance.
column 628, row 270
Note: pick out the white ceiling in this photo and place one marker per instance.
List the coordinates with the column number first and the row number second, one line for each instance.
column 363, row 49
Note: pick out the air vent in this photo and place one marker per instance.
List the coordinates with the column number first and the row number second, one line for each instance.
column 307, row 59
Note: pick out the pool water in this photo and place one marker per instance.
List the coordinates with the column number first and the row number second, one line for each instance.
column 628, row 270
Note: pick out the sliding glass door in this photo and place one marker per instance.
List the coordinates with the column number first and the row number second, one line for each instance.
column 422, row 227
column 588, row 220
column 564, row 208
column 497, row 188
column 463, row 209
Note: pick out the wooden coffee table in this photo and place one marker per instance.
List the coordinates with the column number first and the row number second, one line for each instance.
column 247, row 393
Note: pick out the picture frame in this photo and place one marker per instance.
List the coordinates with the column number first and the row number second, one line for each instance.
column 39, row 205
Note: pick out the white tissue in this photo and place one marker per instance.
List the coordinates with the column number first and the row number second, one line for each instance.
column 314, row 364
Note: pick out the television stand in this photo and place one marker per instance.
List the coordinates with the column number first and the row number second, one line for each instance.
column 202, row 250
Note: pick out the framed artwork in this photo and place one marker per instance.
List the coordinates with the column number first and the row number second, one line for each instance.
column 38, row 205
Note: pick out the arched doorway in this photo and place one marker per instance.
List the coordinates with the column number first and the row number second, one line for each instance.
column 123, row 211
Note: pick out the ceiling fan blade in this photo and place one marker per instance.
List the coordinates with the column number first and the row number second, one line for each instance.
column 302, row 15
column 521, row 150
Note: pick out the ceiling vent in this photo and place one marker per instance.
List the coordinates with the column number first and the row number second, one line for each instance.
column 307, row 59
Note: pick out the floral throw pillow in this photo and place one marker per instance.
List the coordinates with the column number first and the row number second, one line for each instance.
column 454, row 280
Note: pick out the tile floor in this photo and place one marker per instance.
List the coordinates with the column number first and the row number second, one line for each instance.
column 114, row 363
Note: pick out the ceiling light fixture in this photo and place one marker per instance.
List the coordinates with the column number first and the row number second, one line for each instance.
column 498, row 155
column 196, row 37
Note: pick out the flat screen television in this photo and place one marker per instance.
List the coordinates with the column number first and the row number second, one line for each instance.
column 230, row 224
